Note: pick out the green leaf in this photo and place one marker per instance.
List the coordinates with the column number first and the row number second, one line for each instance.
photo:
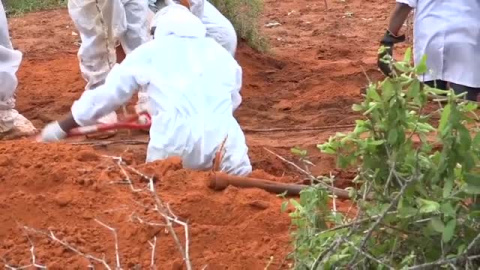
column 296, row 204
column 376, row 142
column 449, row 231
column 299, row 152
column 474, row 190
column 448, row 210
column 357, row 107
column 476, row 140
column 437, row 224
column 407, row 58
column 472, row 179
column 444, row 117
column 414, row 89
column 464, row 136
column 427, row 206
column 372, row 94
column 422, row 66
column 284, row 206
column 392, row 136
column 447, row 187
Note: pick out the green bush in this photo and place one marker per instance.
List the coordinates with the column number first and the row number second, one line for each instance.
column 18, row 7
column 417, row 184
column 244, row 15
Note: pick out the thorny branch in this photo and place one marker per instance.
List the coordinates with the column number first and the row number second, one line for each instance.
column 160, row 207
column 114, row 231
column 335, row 191
column 33, row 257
column 54, row 238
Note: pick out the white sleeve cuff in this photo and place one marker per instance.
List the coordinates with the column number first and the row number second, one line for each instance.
column 410, row 3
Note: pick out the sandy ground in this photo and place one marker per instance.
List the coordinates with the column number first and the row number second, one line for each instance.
column 304, row 86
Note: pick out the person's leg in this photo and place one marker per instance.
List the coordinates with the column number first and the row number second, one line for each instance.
column 98, row 32
column 472, row 92
column 12, row 124
column 137, row 32
column 137, row 14
column 219, row 28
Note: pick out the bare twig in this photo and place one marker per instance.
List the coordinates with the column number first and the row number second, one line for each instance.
column 153, row 245
column 162, row 209
column 335, row 191
column 54, row 238
column 296, row 129
column 366, row 254
column 115, row 236
column 443, row 262
column 105, row 143
column 33, row 257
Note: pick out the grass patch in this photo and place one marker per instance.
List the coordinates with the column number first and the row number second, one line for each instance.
column 19, row 7
column 245, row 15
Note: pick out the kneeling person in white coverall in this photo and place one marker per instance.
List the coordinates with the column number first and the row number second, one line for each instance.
column 12, row 124
column 103, row 25
column 193, row 86
column 218, row 26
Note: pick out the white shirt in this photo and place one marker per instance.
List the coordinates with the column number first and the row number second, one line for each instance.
column 448, row 32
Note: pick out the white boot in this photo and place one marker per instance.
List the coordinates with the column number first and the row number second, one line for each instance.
column 14, row 125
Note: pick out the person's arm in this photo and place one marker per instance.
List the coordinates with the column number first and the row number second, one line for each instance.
column 398, row 18
column 121, row 83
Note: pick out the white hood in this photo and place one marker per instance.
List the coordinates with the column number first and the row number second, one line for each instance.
column 177, row 20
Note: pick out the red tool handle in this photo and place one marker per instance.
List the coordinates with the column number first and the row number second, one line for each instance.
column 141, row 121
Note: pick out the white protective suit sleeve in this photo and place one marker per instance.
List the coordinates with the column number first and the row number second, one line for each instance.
column 10, row 60
column 121, row 83
column 410, row 3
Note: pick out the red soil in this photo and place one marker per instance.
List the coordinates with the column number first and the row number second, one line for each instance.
column 311, row 78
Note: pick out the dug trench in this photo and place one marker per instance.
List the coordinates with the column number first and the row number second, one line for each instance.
column 298, row 94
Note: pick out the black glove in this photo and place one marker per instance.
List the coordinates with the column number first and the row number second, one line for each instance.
column 388, row 41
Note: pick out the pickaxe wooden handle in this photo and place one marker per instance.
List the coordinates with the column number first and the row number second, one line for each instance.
column 220, row 181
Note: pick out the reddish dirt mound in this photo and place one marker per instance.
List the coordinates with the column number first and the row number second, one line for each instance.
column 64, row 188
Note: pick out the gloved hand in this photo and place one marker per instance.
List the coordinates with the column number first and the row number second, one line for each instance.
column 52, row 133
column 388, row 40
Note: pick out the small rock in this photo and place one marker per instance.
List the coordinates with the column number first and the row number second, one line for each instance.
column 260, row 205
column 63, row 199
column 85, row 155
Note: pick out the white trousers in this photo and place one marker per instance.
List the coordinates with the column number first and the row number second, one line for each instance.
column 10, row 60
column 104, row 26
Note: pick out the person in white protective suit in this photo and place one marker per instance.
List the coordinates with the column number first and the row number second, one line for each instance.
column 218, row 26
column 12, row 123
column 103, row 25
column 194, row 88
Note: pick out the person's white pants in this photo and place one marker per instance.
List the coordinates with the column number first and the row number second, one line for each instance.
column 10, row 60
column 102, row 27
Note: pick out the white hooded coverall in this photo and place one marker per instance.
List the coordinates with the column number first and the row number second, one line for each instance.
column 193, row 85
column 10, row 60
column 218, row 26
column 101, row 28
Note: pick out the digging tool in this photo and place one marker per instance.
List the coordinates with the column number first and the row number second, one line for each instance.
column 135, row 122
column 220, row 181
